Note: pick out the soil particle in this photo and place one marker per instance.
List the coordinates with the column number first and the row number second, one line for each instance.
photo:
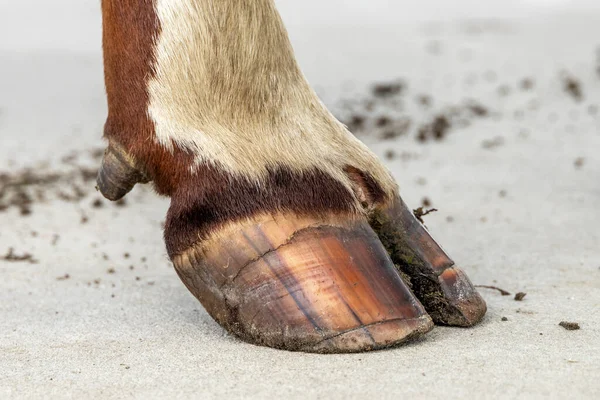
column 570, row 326
column 357, row 122
column 425, row 100
column 383, row 121
column 389, row 89
column 520, row 296
column 504, row 319
column 97, row 203
column 420, row 213
column 110, row 271
column 579, row 162
column 526, row 84
column 478, row 110
column 390, row 155
column 121, row 203
column 10, row 256
column 572, row 87
column 63, row 278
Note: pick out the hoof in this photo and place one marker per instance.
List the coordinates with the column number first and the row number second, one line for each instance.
column 446, row 292
column 303, row 284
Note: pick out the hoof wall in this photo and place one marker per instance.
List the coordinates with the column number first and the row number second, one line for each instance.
column 304, row 285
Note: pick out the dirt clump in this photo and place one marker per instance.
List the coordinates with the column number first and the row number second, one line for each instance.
column 572, row 87
column 420, row 213
column 64, row 277
column 570, row 326
column 388, row 89
column 520, row 296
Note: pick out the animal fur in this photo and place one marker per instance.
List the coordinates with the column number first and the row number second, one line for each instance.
column 207, row 98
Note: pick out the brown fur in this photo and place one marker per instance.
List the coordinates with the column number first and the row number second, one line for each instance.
column 259, row 101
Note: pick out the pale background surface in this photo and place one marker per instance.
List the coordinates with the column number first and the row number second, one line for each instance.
column 61, row 339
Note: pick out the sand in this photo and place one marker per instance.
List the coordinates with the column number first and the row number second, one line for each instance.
column 97, row 311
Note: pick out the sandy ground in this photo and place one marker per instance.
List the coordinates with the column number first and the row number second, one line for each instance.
column 517, row 191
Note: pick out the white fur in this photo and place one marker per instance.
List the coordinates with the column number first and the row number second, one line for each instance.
column 228, row 88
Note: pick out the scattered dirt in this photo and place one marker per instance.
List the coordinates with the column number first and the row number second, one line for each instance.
column 520, row 296
column 24, row 188
column 502, row 291
column 63, row 278
column 570, row 326
column 419, row 213
column 579, row 162
column 381, row 113
column 11, row 256
column 504, row 319
column 111, row 271
column 425, row 202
